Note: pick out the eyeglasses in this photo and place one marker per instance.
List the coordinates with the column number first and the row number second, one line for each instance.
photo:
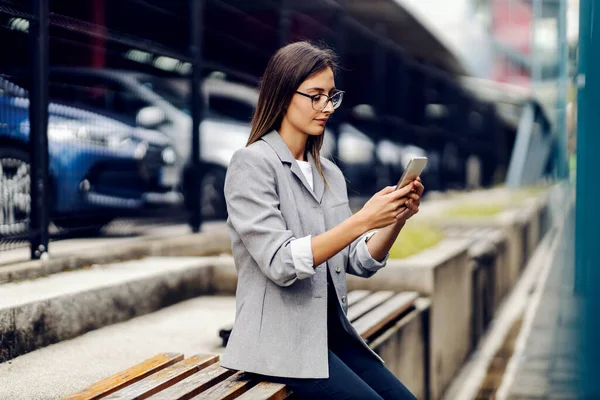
column 319, row 101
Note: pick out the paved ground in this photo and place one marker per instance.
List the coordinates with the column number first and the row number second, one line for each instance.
column 548, row 366
column 190, row 328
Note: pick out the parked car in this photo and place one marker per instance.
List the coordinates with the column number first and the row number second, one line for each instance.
column 100, row 168
column 163, row 104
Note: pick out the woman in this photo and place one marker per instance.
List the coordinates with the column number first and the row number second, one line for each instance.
column 294, row 239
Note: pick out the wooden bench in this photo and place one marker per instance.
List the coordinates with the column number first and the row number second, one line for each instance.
column 171, row 376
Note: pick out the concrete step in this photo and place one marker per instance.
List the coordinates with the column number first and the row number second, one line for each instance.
column 189, row 327
column 40, row 312
column 69, row 255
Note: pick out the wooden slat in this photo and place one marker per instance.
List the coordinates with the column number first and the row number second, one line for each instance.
column 195, row 384
column 266, row 391
column 357, row 295
column 165, row 378
column 127, row 377
column 367, row 304
column 230, row 388
column 369, row 324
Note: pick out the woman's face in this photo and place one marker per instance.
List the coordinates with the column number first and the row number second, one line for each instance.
column 300, row 113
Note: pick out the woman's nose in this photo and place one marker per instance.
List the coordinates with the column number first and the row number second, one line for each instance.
column 329, row 107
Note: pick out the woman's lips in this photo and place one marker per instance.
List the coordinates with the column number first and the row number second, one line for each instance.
column 321, row 120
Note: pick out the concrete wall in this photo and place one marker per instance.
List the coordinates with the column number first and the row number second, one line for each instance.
column 405, row 346
column 443, row 274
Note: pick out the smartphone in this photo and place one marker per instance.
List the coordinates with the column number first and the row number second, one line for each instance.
column 413, row 170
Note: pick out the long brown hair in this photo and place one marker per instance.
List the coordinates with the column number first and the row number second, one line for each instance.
column 287, row 69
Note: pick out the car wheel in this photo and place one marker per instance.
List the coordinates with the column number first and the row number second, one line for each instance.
column 212, row 202
column 15, row 197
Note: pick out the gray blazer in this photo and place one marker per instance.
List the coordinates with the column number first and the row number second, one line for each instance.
column 281, row 317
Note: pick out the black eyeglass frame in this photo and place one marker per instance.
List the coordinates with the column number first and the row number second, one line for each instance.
column 313, row 98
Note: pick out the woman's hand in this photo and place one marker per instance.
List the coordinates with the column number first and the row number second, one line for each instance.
column 385, row 207
column 413, row 202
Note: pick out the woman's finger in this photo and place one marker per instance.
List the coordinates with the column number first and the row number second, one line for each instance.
column 387, row 190
column 419, row 188
column 414, row 196
column 397, row 194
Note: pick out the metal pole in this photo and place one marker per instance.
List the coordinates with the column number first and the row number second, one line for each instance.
column 379, row 70
column 379, row 80
column 536, row 70
column 284, row 23
column 561, row 114
column 340, row 27
column 197, row 112
column 587, row 216
column 38, row 136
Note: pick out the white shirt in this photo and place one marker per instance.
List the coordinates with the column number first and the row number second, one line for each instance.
column 307, row 171
column 301, row 248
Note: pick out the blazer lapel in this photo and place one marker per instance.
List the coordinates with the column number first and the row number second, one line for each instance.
column 318, row 184
column 285, row 155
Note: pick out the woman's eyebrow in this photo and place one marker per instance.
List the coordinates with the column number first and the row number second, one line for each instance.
column 321, row 89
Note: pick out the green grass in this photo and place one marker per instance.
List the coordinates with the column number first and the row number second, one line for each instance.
column 413, row 239
column 494, row 206
column 475, row 210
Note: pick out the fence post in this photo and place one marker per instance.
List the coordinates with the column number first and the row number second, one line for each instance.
column 562, row 168
column 284, row 23
column 38, row 136
column 339, row 40
column 196, row 20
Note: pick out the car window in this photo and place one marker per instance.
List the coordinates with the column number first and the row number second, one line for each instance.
column 230, row 107
column 97, row 94
column 173, row 91
column 177, row 93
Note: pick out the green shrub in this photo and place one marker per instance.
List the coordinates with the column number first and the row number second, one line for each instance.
column 415, row 238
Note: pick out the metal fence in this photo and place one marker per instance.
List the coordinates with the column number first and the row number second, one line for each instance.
column 126, row 109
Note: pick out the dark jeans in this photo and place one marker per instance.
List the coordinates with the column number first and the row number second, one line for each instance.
column 353, row 374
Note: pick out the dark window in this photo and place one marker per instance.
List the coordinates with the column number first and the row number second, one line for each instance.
column 96, row 94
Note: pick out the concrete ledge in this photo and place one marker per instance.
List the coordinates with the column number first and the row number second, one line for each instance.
column 405, row 347
column 521, row 229
column 209, row 243
column 225, row 276
column 483, row 255
column 34, row 314
column 442, row 273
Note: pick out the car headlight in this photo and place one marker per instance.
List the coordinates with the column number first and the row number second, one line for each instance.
column 61, row 133
column 64, row 133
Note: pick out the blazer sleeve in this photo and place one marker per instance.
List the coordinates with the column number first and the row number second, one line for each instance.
column 360, row 261
column 253, row 208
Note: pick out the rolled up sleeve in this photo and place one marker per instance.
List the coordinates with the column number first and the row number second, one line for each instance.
column 253, row 211
column 360, row 261
column 303, row 257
